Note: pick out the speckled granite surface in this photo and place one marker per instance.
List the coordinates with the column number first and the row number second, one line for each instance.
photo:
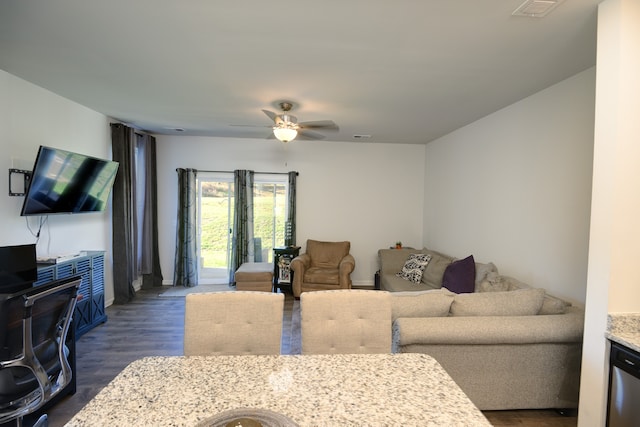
column 624, row 328
column 317, row 390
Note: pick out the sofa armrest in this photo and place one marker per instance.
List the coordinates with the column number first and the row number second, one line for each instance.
column 345, row 268
column 298, row 265
column 347, row 265
column 488, row 330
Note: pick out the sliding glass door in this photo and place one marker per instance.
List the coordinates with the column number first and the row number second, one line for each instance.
column 269, row 214
column 215, row 220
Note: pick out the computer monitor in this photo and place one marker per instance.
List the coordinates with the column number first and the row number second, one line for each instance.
column 18, row 268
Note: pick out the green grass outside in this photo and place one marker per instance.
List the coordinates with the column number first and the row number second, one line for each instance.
column 215, row 228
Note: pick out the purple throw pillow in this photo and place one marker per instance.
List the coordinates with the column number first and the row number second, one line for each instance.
column 460, row 276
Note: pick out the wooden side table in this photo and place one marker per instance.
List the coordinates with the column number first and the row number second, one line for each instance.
column 282, row 274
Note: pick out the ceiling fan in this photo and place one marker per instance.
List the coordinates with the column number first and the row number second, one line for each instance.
column 286, row 127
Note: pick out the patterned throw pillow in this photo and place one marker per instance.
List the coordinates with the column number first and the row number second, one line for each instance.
column 414, row 267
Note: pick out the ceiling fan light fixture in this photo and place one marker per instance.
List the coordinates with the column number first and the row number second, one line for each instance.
column 285, row 134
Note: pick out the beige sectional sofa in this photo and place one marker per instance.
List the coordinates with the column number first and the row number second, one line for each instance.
column 507, row 345
column 390, row 261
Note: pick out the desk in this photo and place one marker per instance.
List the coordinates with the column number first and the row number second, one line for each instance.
column 312, row 390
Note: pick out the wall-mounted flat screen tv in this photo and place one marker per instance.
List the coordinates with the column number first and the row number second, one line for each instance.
column 66, row 182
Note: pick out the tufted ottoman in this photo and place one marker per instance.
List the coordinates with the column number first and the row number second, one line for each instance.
column 255, row 276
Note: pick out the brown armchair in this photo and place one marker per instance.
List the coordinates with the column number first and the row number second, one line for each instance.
column 324, row 266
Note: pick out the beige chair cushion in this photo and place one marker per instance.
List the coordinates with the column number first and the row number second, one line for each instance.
column 327, row 254
column 231, row 323
column 345, row 321
column 327, row 276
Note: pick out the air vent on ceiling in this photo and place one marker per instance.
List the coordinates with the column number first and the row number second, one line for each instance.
column 536, row 8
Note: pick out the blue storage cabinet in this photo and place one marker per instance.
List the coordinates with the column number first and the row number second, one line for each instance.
column 90, row 308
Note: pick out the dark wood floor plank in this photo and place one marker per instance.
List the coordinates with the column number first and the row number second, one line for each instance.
column 153, row 326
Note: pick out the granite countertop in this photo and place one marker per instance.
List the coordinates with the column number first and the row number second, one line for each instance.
column 624, row 328
column 312, row 390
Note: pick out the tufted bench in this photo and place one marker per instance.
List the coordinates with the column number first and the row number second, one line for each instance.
column 255, row 276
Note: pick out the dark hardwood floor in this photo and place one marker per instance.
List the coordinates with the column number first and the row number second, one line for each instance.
column 153, row 326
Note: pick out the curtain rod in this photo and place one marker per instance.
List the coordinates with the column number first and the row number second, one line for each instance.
column 138, row 131
column 263, row 173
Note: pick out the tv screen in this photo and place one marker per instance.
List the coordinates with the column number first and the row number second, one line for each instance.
column 18, row 267
column 66, row 182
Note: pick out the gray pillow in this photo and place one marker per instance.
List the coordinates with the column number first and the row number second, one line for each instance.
column 392, row 260
column 482, row 271
column 493, row 282
column 435, row 270
column 523, row 302
column 432, row 303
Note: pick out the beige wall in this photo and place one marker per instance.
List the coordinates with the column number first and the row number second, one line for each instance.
column 29, row 117
column 615, row 233
column 514, row 188
column 369, row 194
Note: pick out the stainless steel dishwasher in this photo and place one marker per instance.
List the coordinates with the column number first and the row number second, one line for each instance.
column 624, row 387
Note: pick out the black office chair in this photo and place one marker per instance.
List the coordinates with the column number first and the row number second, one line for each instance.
column 33, row 358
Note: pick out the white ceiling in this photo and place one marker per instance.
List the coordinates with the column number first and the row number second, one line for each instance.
column 404, row 71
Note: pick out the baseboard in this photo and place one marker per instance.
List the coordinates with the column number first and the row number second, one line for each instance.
column 362, row 284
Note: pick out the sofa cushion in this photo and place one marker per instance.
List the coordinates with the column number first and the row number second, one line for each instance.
column 391, row 282
column 326, row 276
column 515, row 284
column 327, row 254
column 434, row 272
column 432, row 303
column 523, row 302
column 460, row 276
column 553, row 305
column 392, row 260
column 414, row 267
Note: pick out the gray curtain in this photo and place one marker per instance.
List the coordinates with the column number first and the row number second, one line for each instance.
column 186, row 260
column 135, row 212
column 124, row 218
column 148, row 244
column 242, row 247
column 290, row 235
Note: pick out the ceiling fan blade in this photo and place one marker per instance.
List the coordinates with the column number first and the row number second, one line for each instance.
column 252, row 126
column 273, row 116
column 309, row 135
column 324, row 124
